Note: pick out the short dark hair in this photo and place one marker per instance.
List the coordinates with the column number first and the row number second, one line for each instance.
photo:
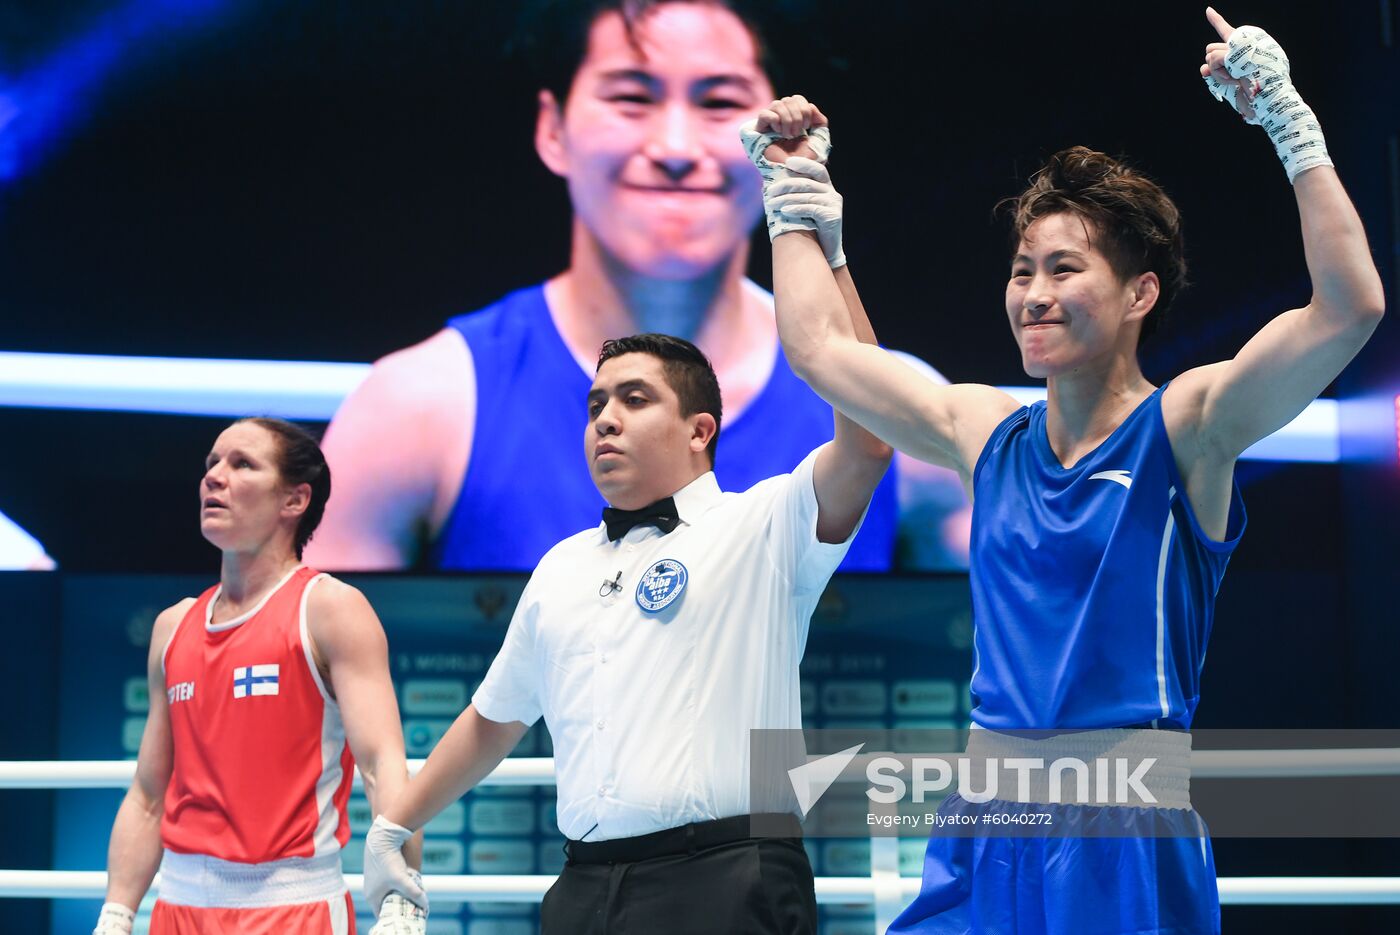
column 552, row 35
column 1138, row 225
column 687, row 370
column 300, row 461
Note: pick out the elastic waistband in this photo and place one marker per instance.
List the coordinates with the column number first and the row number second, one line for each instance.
column 211, row 883
column 1090, row 767
column 687, row 839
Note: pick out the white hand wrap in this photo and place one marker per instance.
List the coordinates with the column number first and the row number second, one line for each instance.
column 398, row 916
column 1271, row 100
column 779, row 222
column 115, row 919
column 807, row 194
column 385, row 869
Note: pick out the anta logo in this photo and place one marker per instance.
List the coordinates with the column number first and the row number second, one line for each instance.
column 1118, row 477
column 180, row 691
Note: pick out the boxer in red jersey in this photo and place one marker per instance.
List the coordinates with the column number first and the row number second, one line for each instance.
column 266, row 691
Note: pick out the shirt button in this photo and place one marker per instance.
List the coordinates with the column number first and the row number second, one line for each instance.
column 603, row 657
column 602, row 791
column 601, row 722
column 631, row 548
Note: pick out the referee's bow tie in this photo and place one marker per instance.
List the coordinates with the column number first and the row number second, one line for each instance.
column 661, row 514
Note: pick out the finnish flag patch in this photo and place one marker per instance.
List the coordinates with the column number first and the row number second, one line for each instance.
column 255, row 680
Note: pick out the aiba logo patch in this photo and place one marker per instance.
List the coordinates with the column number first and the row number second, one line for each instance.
column 662, row 584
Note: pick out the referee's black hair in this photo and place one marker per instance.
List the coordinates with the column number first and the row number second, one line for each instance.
column 552, row 35
column 687, row 370
column 299, row 461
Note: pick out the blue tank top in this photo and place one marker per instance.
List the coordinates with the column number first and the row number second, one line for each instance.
column 1093, row 587
column 527, row 485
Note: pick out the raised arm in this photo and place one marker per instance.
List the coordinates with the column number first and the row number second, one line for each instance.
column 818, row 319
column 398, row 450
column 848, row 470
column 134, row 851
column 1230, row 405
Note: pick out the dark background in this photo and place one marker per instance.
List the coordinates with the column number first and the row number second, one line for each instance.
column 330, row 181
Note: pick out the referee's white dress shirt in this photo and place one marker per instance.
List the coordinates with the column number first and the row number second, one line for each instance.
column 650, row 711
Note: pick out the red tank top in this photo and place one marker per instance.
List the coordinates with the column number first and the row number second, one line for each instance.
column 261, row 768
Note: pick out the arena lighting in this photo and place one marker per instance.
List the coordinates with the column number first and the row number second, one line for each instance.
column 192, row 386
column 38, row 105
column 1397, row 428
column 312, row 390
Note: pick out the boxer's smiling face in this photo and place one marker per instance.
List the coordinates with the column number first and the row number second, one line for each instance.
column 638, row 445
column 1067, row 307
column 648, row 139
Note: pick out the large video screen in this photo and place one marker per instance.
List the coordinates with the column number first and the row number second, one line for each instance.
column 417, row 224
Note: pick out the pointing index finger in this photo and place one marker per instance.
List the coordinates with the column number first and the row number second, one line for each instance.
column 1218, row 21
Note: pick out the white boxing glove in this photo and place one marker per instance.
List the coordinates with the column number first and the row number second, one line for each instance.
column 385, row 869
column 398, row 916
column 1270, row 100
column 807, row 194
column 114, row 919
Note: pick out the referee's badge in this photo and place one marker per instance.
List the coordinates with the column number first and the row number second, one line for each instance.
column 661, row 585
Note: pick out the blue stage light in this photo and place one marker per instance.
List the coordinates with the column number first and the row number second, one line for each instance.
column 40, row 105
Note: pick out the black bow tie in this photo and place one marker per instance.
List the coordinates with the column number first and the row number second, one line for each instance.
column 661, row 514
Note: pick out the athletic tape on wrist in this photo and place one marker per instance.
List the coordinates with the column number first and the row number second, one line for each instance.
column 808, row 195
column 1256, row 57
column 397, row 907
column 114, row 919
column 818, row 138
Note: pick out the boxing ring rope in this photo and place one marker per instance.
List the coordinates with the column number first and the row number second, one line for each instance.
column 850, row 891
column 117, row 774
column 539, row 771
column 844, row 891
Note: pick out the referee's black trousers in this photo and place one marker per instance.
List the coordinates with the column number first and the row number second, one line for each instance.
column 703, row 879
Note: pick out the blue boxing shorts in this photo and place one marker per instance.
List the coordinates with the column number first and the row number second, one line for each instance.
column 1110, row 858
column 1067, row 884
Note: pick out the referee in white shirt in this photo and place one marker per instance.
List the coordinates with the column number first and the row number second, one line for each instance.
column 651, row 645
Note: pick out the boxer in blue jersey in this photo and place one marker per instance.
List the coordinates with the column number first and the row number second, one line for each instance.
column 440, row 456
column 1104, row 516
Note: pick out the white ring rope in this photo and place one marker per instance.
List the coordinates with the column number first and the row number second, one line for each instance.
column 118, row 774
column 539, row 771
column 1284, row 764
column 523, row 771
column 846, row 891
